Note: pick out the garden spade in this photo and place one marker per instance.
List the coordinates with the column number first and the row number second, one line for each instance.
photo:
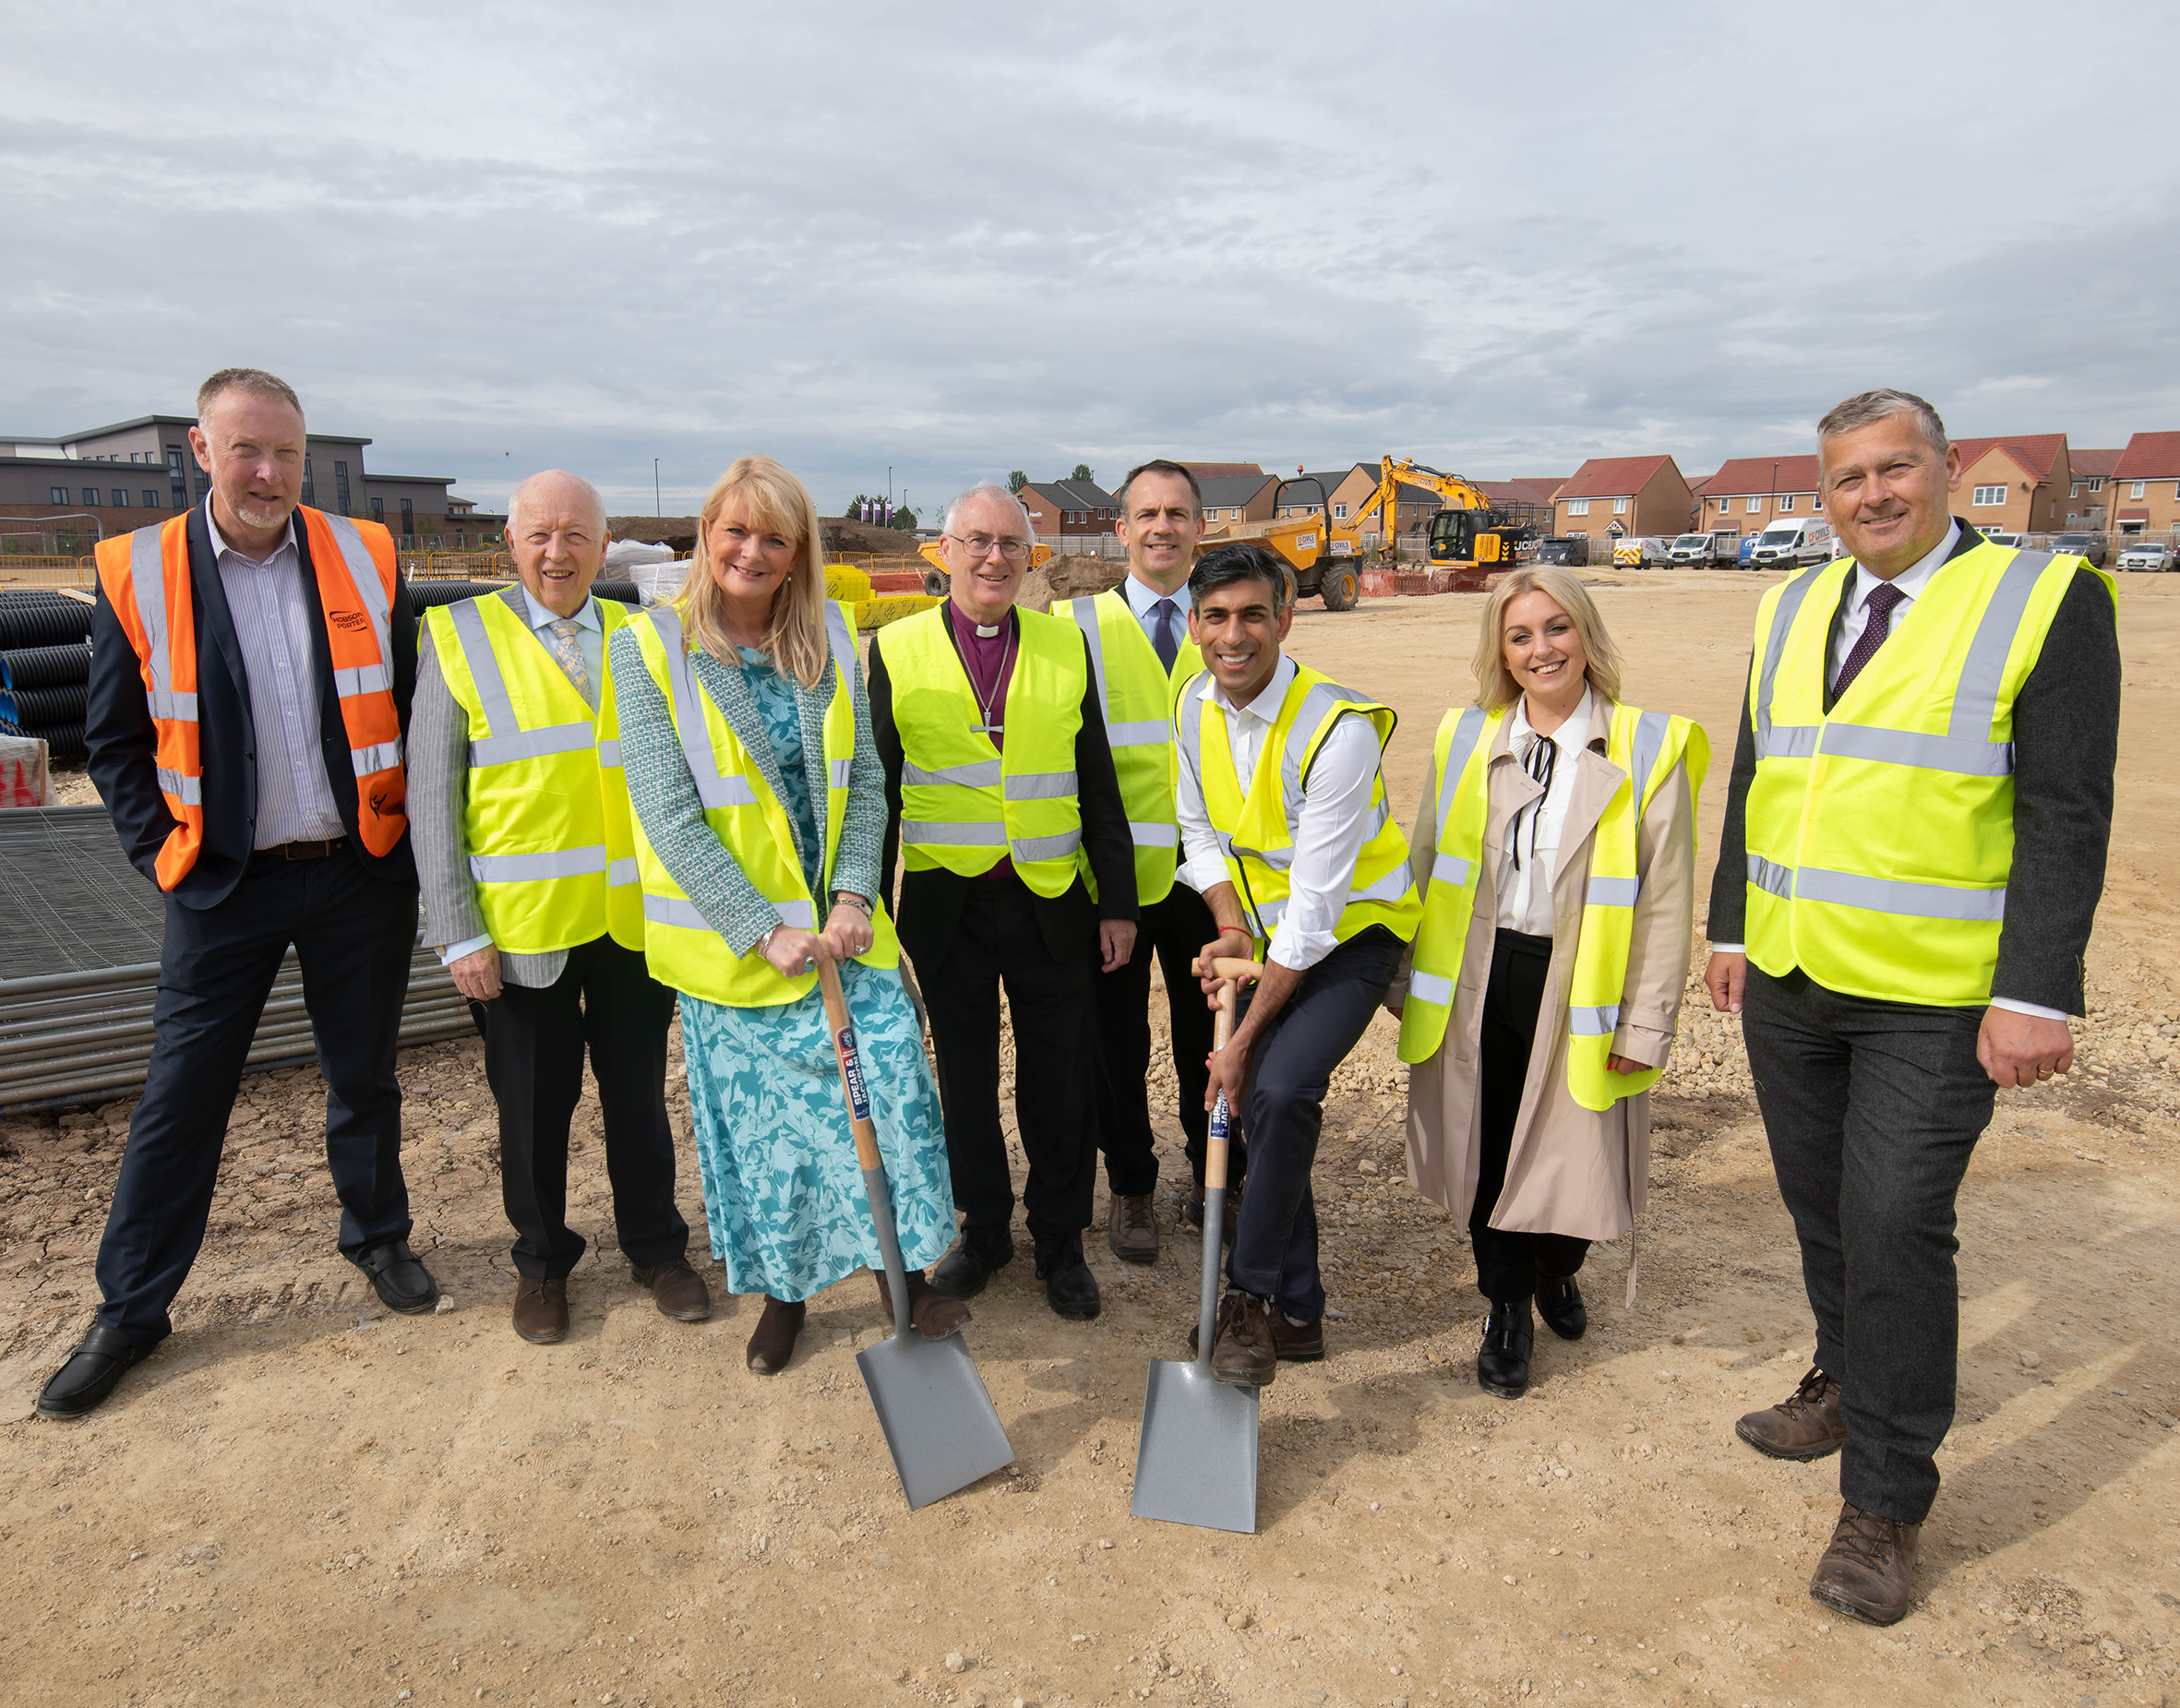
column 939, row 1421
column 1196, row 1460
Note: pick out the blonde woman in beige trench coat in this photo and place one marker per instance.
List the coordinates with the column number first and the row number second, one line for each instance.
column 1571, row 1175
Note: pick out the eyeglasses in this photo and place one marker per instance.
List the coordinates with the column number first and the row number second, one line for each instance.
column 980, row 544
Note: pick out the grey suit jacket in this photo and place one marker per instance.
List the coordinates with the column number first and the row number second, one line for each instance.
column 438, row 795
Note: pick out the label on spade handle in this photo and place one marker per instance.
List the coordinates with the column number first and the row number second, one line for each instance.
column 851, row 1073
column 1218, row 1118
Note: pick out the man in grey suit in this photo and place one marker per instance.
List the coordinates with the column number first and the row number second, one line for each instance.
column 520, row 822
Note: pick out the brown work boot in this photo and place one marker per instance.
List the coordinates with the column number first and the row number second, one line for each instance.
column 1132, row 1230
column 930, row 1312
column 772, row 1342
column 1805, row 1426
column 680, row 1290
column 1294, row 1342
column 1244, row 1349
column 1867, row 1571
column 541, row 1309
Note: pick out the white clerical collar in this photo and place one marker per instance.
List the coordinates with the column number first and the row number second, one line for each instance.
column 985, row 631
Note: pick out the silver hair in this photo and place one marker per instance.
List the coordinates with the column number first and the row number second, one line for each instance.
column 515, row 497
column 987, row 489
column 1869, row 406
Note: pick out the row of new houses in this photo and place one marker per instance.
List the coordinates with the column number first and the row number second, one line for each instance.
column 2036, row 484
column 101, row 482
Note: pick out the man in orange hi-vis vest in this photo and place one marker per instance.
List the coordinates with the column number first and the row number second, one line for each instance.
column 251, row 667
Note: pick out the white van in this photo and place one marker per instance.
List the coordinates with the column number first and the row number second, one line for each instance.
column 1794, row 543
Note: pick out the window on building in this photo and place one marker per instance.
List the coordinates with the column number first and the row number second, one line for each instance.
column 409, row 519
column 309, row 485
column 1816, row 501
column 56, row 494
column 1754, row 506
column 2140, row 489
column 2096, row 482
column 91, row 495
column 1990, row 495
column 340, row 486
column 461, row 540
column 121, row 497
column 1620, row 507
column 1578, row 533
column 1786, row 503
column 1577, row 507
column 379, row 511
column 2074, row 491
column 1340, row 512
column 150, row 500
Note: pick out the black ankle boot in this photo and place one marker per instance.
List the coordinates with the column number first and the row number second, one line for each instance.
column 1070, row 1288
column 963, row 1273
column 1558, row 1302
column 1503, row 1361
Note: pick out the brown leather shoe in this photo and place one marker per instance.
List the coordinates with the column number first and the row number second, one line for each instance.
column 541, row 1309
column 1244, row 1350
column 930, row 1312
column 1292, row 1342
column 1804, row 1426
column 772, row 1344
column 680, row 1290
column 1868, row 1571
column 1132, row 1230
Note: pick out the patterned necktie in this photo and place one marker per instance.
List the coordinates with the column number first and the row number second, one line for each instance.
column 1877, row 624
column 569, row 650
column 1167, row 639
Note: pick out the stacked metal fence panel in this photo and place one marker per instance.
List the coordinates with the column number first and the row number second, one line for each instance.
column 79, row 935
column 44, row 668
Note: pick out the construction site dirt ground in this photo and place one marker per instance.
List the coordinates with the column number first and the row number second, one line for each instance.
column 301, row 1498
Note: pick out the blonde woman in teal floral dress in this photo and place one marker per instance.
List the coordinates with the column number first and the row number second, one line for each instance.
column 749, row 658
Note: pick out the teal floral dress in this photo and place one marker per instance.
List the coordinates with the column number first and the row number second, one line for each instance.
column 783, row 1192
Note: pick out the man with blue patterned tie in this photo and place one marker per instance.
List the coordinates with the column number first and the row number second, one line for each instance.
column 530, row 896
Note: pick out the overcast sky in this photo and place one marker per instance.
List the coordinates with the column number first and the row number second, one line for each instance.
column 968, row 239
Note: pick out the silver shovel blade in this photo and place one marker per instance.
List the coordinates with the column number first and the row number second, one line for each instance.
column 1196, row 1464
column 939, row 1421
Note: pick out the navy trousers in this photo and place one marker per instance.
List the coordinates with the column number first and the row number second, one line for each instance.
column 1274, row 1253
column 1174, row 929
column 353, row 934
column 1873, row 1110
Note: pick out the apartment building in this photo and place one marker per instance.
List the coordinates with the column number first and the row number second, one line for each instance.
column 2144, row 488
column 1748, row 494
column 1612, row 495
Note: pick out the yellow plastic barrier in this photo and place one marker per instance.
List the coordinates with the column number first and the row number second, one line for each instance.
column 891, row 608
column 847, row 584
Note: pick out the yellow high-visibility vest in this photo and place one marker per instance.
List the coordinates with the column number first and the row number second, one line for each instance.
column 965, row 805
column 1645, row 745
column 1881, row 833
column 1255, row 828
column 751, row 824
column 551, row 848
column 1137, row 694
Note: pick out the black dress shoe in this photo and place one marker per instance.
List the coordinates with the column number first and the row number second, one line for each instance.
column 1558, row 1302
column 398, row 1277
column 962, row 1272
column 1503, row 1361
column 1070, row 1288
column 92, row 1369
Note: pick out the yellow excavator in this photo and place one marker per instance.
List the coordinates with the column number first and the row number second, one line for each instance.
column 1469, row 533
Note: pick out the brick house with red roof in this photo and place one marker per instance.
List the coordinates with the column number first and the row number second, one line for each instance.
column 2017, row 485
column 2145, row 486
column 2087, row 502
column 1748, row 493
column 1626, row 495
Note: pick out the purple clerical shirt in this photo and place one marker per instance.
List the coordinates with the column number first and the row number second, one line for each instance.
column 989, row 660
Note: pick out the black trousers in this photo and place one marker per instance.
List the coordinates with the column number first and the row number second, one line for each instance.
column 533, row 1056
column 1274, row 1253
column 999, row 940
column 1873, row 1110
column 1508, row 1264
column 1174, row 929
column 353, row 934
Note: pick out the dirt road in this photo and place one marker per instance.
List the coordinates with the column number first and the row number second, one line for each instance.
column 301, row 1498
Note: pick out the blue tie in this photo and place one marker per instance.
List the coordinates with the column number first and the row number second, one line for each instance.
column 1167, row 639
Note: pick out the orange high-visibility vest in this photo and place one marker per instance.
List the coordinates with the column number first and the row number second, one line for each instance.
column 146, row 580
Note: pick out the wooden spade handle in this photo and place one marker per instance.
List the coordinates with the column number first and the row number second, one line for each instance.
column 850, row 1058
column 1228, row 967
column 1214, row 1144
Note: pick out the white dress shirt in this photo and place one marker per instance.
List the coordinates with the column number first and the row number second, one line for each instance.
column 589, row 640
column 1333, row 826
column 1852, row 620
column 1525, row 889
column 1143, row 601
column 272, row 611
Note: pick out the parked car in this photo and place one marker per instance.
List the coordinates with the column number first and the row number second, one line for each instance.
column 2088, row 545
column 1570, row 550
column 2145, row 554
column 1793, row 544
column 2012, row 542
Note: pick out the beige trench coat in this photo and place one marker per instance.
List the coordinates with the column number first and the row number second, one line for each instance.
column 1569, row 1170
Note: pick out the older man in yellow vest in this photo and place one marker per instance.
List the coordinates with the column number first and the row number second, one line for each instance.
column 1284, row 820
column 1909, row 866
column 530, row 896
column 1018, row 869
